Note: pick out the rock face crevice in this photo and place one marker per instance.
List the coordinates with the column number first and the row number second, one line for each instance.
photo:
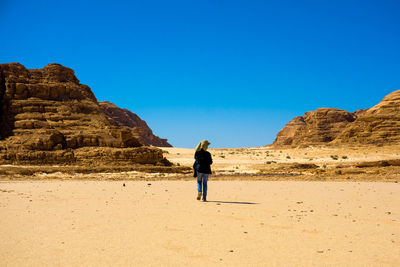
column 6, row 119
column 47, row 115
column 2, row 92
column 377, row 125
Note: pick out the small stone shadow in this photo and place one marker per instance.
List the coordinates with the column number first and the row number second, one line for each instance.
column 233, row 202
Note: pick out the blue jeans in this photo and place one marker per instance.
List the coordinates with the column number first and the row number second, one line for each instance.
column 202, row 179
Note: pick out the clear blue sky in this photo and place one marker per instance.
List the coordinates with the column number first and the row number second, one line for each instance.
column 233, row 72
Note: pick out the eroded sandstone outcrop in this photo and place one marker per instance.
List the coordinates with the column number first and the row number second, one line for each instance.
column 47, row 116
column 377, row 125
column 139, row 128
column 314, row 127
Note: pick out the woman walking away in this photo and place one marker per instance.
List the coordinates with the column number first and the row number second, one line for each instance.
column 203, row 168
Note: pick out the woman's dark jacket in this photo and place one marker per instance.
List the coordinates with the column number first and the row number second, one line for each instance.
column 203, row 162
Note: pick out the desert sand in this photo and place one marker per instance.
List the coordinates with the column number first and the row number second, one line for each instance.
column 313, row 206
column 160, row 223
column 312, row 163
column 359, row 163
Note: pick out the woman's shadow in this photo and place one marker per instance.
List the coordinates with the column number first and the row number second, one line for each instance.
column 233, row 202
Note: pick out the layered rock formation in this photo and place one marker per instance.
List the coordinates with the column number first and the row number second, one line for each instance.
column 320, row 126
column 377, row 125
column 139, row 128
column 47, row 116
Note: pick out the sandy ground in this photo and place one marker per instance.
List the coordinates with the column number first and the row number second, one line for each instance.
column 254, row 163
column 159, row 223
column 252, row 159
column 331, row 163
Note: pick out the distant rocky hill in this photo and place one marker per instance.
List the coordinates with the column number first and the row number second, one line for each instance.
column 125, row 118
column 377, row 125
column 47, row 116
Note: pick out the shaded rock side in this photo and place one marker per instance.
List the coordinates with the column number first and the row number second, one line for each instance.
column 139, row 128
column 377, row 125
column 314, row 127
column 47, row 110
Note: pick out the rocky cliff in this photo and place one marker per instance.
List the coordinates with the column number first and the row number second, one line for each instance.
column 139, row 128
column 377, row 125
column 47, row 116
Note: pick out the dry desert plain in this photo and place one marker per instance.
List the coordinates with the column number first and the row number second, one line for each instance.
column 267, row 207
